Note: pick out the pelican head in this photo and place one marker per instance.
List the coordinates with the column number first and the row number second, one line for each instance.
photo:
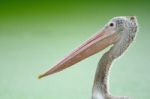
column 118, row 30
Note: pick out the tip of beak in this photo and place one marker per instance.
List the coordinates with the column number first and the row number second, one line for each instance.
column 41, row 76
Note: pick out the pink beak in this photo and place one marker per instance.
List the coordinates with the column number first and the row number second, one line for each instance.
column 95, row 44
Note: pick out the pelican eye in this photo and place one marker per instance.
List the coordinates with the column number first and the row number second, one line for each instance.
column 111, row 24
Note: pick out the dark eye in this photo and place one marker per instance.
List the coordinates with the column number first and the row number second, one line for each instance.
column 111, row 24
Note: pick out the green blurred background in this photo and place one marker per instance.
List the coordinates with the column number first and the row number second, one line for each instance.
column 34, row 35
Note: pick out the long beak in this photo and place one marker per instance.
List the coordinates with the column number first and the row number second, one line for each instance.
column 95, row 44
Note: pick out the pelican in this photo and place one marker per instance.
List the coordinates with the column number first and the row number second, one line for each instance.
column 118, row 33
